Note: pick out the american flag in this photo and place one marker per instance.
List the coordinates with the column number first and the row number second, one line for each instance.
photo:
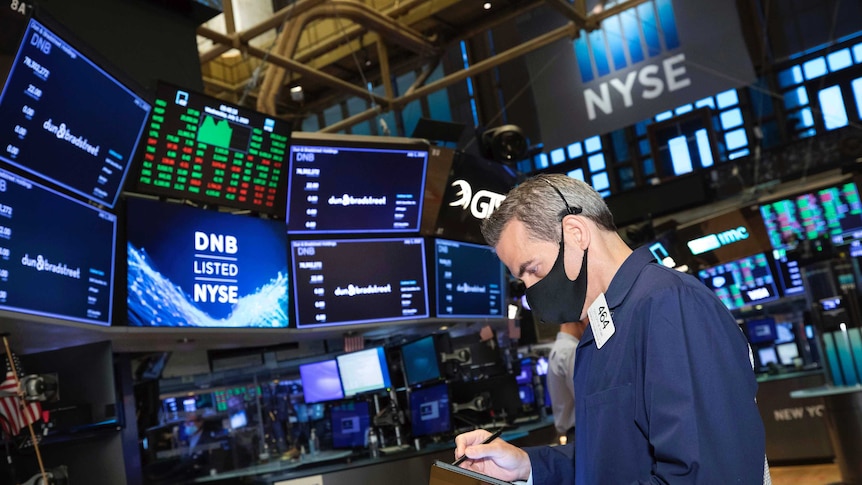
column 14, row 417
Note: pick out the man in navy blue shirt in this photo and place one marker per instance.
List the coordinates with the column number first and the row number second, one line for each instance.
column 664, row 389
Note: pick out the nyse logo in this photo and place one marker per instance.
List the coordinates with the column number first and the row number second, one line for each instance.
column 645, row 32
column 481, row 205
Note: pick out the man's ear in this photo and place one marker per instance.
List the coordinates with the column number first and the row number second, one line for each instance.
column 577, row 230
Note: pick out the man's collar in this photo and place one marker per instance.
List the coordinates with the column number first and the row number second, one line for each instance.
column 622, row 282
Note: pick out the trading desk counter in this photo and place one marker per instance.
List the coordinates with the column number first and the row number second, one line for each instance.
column 796, row 430
column 844, row 417
column 336, row 467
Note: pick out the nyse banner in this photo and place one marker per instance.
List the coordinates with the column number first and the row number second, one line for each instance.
column 651, row 58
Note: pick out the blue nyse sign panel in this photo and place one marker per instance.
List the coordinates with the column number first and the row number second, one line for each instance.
column 656, row 56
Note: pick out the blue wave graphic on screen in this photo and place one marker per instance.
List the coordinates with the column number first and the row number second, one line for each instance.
column 154, row 301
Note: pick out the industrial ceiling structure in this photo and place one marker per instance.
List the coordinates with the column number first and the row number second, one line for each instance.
column 331, row 49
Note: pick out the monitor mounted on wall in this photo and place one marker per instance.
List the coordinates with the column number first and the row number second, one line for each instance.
column 356, row 281
column 833, row 212
column 190, row 267
column 69, row 121
column 470, row 280
column 355, row 184
column 741, row 282
column 49, row 240
column 207, row 150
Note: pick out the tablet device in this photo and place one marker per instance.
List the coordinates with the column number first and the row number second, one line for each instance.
column 443, row 473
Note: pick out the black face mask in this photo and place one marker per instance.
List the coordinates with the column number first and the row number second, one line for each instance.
column 557, row 299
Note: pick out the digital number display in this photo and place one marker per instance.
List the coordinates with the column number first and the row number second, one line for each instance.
column 834, row 212
column 339, row 282
column 469, row 280
column 56, row 253
column 201, row 148
column 355, row 189
column 65, row 119
column 742, row 282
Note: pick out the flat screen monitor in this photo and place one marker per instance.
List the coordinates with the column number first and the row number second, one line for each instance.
column 834, row 212
column 364, row 371
column 421, row 363
column 542, row 366
column 350, row 421
column 320, row 381
column 528, row 396
column 787, row 352
column 372, row 186
column 469, row 280
column 66, row 119
column 784, row 332
column 767, row 355
column 746, row 281
column 789, row 273
column 525, row 376
column 238, row 419
column 429, row 410
column 50, row 242
column 760, row 330
column 205, row 149
column 354, row 281
column 190, row 267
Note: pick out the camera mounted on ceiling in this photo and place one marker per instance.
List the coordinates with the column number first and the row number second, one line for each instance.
column 505, row 144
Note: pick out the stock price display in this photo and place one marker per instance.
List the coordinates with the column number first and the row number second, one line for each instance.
column 355, row 189
column 67, row 120
column 204, row 149
column 469, row 280
column 359, row 281
column 51, row 241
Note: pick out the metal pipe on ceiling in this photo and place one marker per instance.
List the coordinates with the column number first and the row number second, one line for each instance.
column 387, row 27
column 570, row 30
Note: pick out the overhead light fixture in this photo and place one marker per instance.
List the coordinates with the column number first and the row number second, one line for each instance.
column 296, row 93
column 487, row 6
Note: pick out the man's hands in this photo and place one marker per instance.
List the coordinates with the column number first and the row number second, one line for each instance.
column 497, row 459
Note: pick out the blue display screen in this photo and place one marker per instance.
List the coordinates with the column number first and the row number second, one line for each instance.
column 364, row 371
column 350, row 422
column 742, row 282
column 429, row 410
column 320, row 381
column 67, row 120
column 338, row 282
column 420, row 361
column 833, row 212
column 190, row 267
column 470, row 280
column 761, row 330
column 356, row 188
column 56, row 253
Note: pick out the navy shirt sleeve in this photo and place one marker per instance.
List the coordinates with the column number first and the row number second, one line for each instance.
column 552, row 464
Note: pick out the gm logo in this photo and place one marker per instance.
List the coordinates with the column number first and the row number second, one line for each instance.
column 639, row 34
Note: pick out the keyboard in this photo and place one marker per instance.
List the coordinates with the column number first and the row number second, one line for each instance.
column 388, row 450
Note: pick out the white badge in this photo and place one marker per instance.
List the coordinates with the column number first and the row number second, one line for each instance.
column 600, row 320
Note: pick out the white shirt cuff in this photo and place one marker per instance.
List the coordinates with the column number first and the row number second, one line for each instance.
column 528, row 481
